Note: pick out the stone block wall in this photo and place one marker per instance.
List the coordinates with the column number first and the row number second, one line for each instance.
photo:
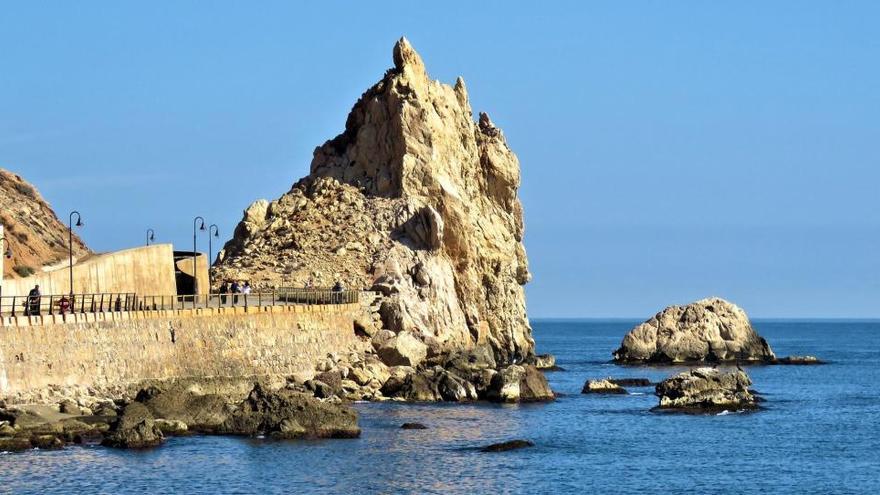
column 109, row 349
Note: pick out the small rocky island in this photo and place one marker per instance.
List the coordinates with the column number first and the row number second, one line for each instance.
column 706, row 390
column 707, row 331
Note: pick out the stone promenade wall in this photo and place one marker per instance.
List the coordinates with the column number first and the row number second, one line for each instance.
column 108, row 349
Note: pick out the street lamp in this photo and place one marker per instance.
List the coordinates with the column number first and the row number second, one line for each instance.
column 151, row 236
column 201, row 226
column 213, row 231
column 70, row 226
column 8, row 255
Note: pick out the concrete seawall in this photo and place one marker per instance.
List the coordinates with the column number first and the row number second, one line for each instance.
column 109, row 349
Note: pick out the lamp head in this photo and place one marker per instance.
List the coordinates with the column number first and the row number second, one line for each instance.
column 202, row 226
column 8, row 253
column 152, row 237
column 79, row 222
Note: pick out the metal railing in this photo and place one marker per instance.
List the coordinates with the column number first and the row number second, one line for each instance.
column 299, row 295
column 66, row 304
column 116, row 302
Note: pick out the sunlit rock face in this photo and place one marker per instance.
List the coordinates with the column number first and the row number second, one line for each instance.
column 415, row 199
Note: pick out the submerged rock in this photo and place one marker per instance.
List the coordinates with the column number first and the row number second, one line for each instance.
column 798, row 360
column 631, row 382
column 413, row 426
column 707, row 390
column 710, row 330
column 602, row 387
column 508, row 445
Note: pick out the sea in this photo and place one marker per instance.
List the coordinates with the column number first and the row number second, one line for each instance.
column 817, row 432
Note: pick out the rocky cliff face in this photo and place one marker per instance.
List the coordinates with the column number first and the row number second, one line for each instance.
column 34, row 233
column 414, row 199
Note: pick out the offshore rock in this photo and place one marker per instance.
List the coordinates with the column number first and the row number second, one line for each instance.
column 707, row 390
column 508, row 445
column 414, row 199
column 710, row 330
column 602, row 387
column 134, row 429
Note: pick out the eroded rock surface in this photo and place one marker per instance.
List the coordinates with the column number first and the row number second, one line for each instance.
column 414, row 199
column 710, row 330
column 707, row 390
column 602, row 387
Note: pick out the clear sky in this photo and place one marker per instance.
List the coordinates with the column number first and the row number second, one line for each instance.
column 670, row 150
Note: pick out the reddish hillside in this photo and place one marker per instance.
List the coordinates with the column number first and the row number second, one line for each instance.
column 35, row 234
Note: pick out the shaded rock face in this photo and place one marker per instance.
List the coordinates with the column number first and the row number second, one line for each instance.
column 710, row 330
column 707, row 390
column 35, row 234
column 414, row 199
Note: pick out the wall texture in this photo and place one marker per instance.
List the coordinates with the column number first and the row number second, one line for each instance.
column 108, row 349
column 145, row 270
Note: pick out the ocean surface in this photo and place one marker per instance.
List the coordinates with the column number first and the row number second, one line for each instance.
column 819, row 432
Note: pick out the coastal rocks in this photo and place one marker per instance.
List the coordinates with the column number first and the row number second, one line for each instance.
column 706, row 390
column 710, row 330
column 516, row 383
column 414, row 200
column 403, row 349
column 135, row 428
column 287, row 414
column 508, row 445
column 602, row 387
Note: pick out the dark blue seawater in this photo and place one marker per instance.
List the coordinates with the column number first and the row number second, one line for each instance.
column 819, row 433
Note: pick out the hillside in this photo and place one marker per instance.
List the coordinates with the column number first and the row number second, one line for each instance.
column 35, row 234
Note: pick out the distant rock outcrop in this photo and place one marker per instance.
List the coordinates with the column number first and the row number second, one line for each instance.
column 414, row 199
column 710, row 330
column 35, row 234
column 707, row 390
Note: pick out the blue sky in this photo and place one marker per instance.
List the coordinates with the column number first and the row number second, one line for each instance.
column 670, row 150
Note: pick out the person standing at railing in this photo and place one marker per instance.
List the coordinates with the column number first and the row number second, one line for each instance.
column 64, row 307
column 246, row 289
column 32, row 304
column 224, row 289
column 235, row 289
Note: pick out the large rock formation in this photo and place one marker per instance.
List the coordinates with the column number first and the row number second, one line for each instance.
column 414, row 199
column 35, row 234
column 710, row 330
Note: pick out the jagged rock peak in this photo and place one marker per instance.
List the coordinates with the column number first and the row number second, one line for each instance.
column 414, row 199
column 406, row 57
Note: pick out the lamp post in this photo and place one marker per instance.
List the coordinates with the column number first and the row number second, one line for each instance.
column 201, row 227
column 213, row 231
column 7, row 255
column 70, row 243
column 151, row 236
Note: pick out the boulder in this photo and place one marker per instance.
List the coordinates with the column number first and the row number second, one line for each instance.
column 602, row 387
column 453, row 388
column 710, row 330
column 134, row 429
column 707, row 390
column 517, row 383
column 290, row 414
column 403, row 350
column 545, row 362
